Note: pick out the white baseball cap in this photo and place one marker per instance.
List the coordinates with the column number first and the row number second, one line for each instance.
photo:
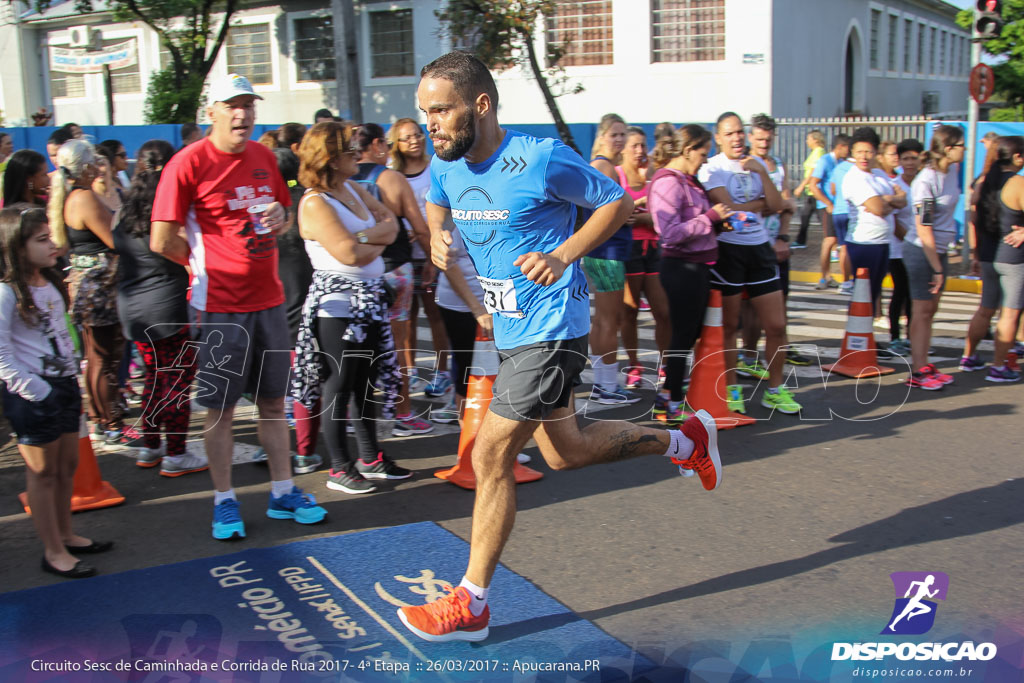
column 230, row 86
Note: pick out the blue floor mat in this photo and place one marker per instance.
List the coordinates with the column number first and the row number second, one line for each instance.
column 322, row 609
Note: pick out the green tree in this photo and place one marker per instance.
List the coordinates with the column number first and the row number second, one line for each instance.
column 501, row 34
column 1008, row 49
column 187, row 30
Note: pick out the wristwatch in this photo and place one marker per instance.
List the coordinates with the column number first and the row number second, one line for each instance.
column 362, row 238
column 783, row 238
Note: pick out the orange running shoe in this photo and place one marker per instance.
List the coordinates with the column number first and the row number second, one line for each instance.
column 705, row 459
column 448, row 618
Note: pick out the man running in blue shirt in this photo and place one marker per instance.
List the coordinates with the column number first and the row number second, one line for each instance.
column 513, row 198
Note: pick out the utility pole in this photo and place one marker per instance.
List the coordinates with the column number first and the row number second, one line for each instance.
column 986, row 23
column 972, row 117
column 346, row 61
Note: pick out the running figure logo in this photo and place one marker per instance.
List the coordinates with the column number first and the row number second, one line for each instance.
column 914, row 611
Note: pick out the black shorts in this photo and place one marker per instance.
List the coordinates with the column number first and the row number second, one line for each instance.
column 827, row 228
column 645, row 258
column 536, row 379
column 750, row 267
column 41, row 422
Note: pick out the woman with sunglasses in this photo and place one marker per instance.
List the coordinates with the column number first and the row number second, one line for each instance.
column 393, row 190
column 409, row 157
column 346, row 313
column 118, row 156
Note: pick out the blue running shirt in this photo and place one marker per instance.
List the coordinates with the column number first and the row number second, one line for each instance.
column 523, row 199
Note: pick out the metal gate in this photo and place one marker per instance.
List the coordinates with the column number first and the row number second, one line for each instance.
column 791, row 147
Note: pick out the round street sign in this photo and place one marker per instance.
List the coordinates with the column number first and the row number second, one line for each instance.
column 982, row 83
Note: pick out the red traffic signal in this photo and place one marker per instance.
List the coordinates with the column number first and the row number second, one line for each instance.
column 988, row 18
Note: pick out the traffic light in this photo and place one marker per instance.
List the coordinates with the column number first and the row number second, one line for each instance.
column 988, row 19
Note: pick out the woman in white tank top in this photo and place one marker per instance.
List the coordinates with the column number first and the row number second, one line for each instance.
column 345, row 345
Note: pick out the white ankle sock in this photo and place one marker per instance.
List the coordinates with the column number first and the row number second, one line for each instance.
column 280, row 488
column 680, row 447
column 478, row 596
column 606, row 375
column 220, row 496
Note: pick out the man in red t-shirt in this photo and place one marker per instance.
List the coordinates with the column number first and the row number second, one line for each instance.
column 227, row 197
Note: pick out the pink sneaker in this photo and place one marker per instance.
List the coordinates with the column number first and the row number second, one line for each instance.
column 633, row 377
column 932, row 372
column 408, row 426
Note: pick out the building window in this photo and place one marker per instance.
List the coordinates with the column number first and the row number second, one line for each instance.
column 584, row 29
column 922, row 35
column 66, row 85
column 931, row 50
column 942, row 54
column 126, row 79
column 391, row 51
column 908, row 37
column 876, row 27
column 687, row 30
column 314, row 48
column 894, row 23
column 249, row 53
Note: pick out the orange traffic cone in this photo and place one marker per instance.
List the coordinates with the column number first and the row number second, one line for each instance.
column 478, row 397
column 858, row 357
column 90, row 491
column 707, row 378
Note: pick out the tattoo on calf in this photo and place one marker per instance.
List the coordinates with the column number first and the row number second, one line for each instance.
column 626, row 445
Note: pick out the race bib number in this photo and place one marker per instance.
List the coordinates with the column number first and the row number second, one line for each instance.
column 500, row 297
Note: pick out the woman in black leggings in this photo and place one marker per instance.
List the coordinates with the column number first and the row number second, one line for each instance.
column 344, row 345
column 687, row 226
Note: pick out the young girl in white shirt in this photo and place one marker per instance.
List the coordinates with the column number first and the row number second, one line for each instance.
column 40, row 393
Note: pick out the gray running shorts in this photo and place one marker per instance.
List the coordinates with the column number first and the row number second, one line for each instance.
column 536, row 379
column 1011, row 277
column 991, row 290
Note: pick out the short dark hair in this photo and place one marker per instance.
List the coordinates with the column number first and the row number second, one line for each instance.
column 290, row 134
column 469, row 75
column 866, row 134
column 763, row 122
column 841, row 139
column 322, row 114
column 910, row 145
column 59, row 136
column 188, row 129
column 726, row 115
column 108, row 148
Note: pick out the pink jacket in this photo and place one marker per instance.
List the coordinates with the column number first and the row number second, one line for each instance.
column 683, row 216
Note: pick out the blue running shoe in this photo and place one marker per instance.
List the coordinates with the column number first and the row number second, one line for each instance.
column 227, row 521
column 618, row 397
column 296, row 505
column 439, row 387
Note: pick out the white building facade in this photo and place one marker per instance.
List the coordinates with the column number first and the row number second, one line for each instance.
column 648, row 60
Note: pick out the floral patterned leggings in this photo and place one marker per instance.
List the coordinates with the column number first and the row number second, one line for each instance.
column 170, row 369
